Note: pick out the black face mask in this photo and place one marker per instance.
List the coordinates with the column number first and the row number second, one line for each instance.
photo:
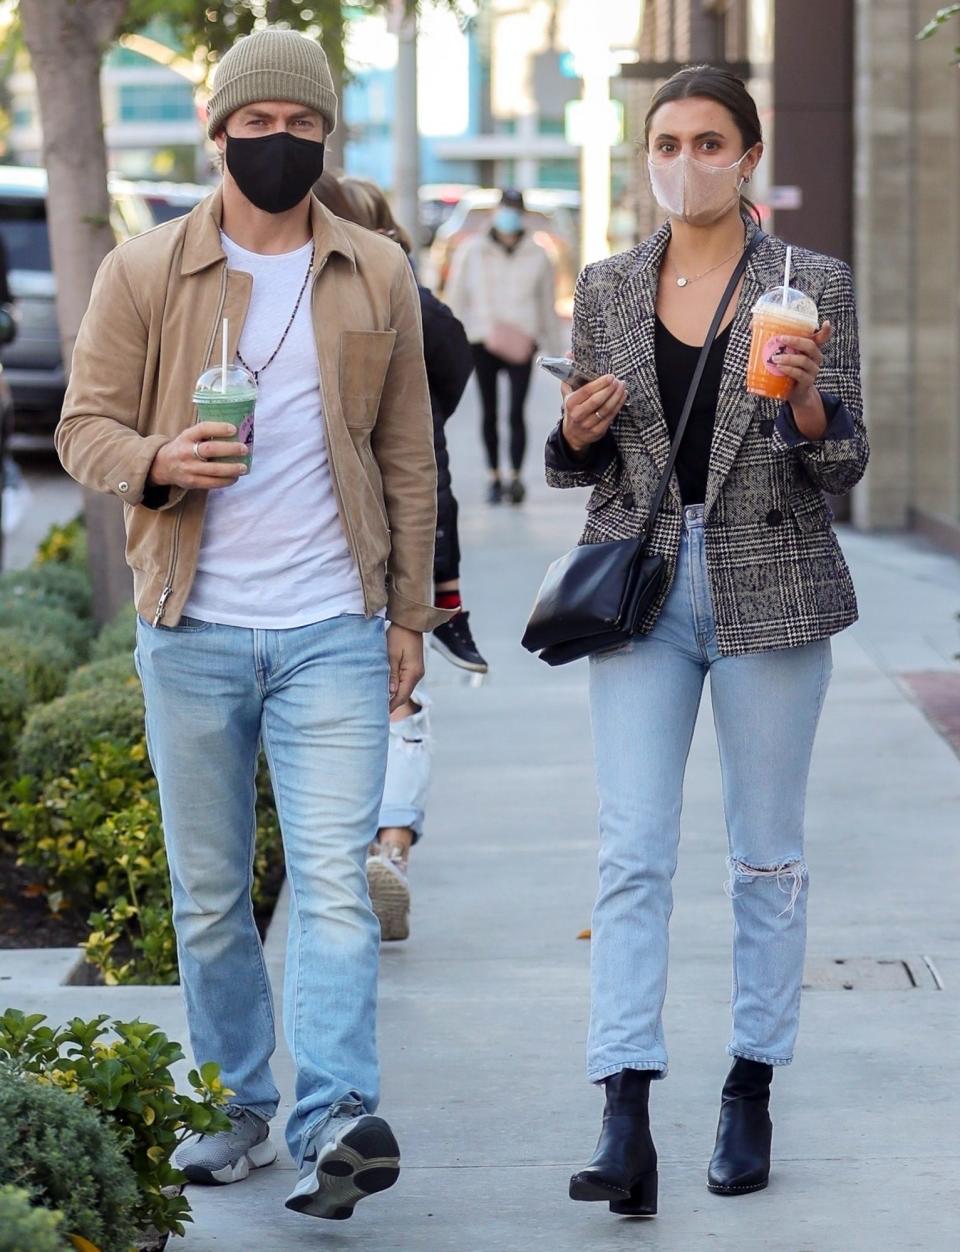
column 274, row 172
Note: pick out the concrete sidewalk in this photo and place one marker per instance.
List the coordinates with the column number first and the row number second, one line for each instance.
column 484, row 1009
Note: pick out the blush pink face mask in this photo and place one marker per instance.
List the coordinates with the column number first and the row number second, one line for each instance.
column 695, row 191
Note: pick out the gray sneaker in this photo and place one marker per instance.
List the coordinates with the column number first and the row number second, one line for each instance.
column 351, row 1158
column 230, row 1155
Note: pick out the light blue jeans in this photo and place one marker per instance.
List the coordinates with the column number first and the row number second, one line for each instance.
column 644, row 700
column 316, row 696
column 409, row 766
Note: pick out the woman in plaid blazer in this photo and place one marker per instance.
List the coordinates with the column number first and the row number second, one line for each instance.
column 757, row 586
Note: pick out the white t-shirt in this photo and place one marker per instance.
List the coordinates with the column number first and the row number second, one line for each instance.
column 273, row 553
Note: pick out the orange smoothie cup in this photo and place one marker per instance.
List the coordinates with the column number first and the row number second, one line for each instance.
column 773, row 317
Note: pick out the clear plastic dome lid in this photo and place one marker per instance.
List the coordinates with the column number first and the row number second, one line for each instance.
column 238, row 380
column 796, row 307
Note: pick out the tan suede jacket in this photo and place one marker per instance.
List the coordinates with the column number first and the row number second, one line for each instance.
column 154, row 324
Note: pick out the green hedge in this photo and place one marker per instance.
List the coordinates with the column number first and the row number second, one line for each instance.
column 118, row 636
column 112, row 671
column 41, row 661
column 25, row 1227
column 40, row 619
column 121, row 1071
column 60, row 585
column 94, row 841
column 70, row 1160
column 64, row 544
column 14, row 699
column 59, row 735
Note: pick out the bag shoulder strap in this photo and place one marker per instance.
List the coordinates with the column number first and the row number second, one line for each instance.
column 694, row 387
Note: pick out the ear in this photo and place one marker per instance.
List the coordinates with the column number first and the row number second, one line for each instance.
column 751, row 161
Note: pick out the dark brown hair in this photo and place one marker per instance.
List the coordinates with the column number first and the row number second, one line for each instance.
column 328, row 191
column 371, row 208
column 709, row 82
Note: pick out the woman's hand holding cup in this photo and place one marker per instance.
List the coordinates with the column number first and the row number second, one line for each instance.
column 589, row 410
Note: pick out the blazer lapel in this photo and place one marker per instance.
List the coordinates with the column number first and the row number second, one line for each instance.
column 632, row 324
column 735, row 407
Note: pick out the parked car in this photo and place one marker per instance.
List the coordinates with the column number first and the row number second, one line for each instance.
column 437, row 202
column 552, row 216
column 14, row 494
column 32, row 363
column 169, row 200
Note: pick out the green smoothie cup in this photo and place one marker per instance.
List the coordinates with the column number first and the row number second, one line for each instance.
column 228, row 395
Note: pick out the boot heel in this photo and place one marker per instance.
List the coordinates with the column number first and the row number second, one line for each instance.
column 643, row 1199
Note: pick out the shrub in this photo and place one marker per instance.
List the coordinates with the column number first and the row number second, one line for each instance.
column 112, row 671
column 41, row 660
column 66, row 827
column 64, row 544
column 60, row 735
column 95, row 841
column 14, row 699
column 41, row 619
column 25, row 1227
column 127, row 1080
column 119, row 635
column 67, row 1157
column 60, row 585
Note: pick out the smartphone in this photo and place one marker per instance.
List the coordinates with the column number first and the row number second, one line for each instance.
column 566, row 370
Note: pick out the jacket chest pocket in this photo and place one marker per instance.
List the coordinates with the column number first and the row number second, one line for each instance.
column 364, row 360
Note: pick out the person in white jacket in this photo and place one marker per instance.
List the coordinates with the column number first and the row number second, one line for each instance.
column 502, row 287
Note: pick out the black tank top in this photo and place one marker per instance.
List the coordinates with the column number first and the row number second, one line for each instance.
column 676, row 362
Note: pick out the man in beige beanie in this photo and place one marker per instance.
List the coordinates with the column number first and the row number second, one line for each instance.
column 262, row 585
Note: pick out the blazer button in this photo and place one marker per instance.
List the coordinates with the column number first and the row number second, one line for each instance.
column 629, row 500
column 123, row 486
column 774, row 517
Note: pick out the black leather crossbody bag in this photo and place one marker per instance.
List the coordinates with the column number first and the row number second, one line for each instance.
column 595, row 596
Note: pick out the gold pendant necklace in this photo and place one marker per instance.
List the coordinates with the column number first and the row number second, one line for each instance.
column 683, row 281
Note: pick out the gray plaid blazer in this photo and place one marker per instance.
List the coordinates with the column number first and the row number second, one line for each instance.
column 777, row 575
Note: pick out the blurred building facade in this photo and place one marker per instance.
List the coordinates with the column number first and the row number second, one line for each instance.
column 907, row 259
column 151, row 124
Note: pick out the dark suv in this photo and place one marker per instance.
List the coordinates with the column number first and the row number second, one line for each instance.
column 32, row 363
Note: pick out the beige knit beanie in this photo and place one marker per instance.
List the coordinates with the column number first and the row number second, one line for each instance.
column 272, row 65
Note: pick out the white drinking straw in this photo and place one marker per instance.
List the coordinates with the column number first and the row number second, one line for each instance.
column 223, row 360
column 786, row 276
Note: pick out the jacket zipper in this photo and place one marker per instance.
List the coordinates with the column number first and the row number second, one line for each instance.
column 175, row 552
column 347, row 525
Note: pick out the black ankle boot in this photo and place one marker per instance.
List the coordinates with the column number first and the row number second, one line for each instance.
column 623, row 1169
column 741, row 1158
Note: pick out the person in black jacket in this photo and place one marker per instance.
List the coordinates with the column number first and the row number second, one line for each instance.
column 449, row 362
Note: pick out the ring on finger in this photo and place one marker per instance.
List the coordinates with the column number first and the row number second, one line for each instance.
column 196, row 452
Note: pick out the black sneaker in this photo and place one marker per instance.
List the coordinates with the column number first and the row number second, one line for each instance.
column 495, row 491
column 454, row 641
column 517, row 492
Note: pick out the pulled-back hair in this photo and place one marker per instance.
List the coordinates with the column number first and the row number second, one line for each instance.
column 710, row 82
column 330, row 193
column 372, row 209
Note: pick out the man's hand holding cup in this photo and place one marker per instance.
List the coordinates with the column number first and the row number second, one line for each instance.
column 192, row 460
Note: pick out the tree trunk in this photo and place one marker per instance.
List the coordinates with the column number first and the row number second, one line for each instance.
column 333, row 39
column 66, row 40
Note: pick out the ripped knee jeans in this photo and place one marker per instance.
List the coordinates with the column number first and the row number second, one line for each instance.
column 409, row 762
column 644, row 701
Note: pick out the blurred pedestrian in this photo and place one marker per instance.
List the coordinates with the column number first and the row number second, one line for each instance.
column 756, row 585
column 261, row 595
column 502, row 287
column 409, row 761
